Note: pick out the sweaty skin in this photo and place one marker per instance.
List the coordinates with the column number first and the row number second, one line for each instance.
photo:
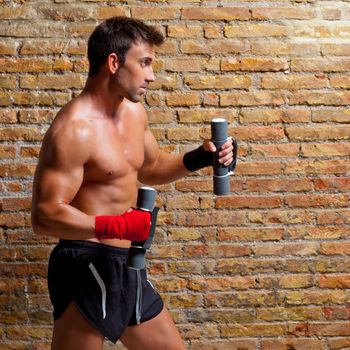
column 98, row 148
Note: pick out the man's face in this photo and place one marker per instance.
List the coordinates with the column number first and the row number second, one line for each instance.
column 132, row 77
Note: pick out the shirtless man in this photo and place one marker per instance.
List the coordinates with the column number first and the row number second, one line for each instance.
column 94, row 154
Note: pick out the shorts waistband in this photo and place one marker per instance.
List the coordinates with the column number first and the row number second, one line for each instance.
column 93, row 246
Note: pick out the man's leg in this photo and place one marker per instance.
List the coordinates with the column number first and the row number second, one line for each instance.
column 159, row 333
column 72, row 332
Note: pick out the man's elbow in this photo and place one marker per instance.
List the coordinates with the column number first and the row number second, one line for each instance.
column 37, row 227
column 39, row 219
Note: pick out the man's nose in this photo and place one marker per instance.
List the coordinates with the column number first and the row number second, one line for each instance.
column 150, row 75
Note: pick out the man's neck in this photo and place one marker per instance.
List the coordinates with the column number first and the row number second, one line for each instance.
column 98, row 90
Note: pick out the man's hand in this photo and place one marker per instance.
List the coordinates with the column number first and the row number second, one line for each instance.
column 226, row 153
column 203, row 155
column 133, row 225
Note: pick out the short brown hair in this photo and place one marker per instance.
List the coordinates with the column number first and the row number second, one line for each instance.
column 116, row 35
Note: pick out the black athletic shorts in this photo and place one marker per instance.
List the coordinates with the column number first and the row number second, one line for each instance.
column 110, row 295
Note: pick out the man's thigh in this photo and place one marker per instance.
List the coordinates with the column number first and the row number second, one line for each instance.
column 72, row 332
column 159, row 333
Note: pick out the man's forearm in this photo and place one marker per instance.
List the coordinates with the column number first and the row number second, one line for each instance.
column 62, row 221
column 167, row 168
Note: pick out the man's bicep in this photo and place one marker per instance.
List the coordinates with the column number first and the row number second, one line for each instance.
column 61, row 166
column 57, row 185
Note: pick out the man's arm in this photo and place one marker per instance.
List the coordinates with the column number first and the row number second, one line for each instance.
column 161, row 167
column 57, row 180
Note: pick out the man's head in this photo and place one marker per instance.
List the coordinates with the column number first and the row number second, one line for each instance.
column 116, row 35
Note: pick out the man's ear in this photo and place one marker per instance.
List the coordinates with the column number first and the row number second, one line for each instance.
column 113, row 62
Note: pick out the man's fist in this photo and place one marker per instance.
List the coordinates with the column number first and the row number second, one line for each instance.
column 133, row 225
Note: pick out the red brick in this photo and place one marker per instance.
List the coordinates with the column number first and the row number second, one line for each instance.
column 251, row 202
column 20, row 133
column 8, row 47
column 21, row 12
column 242, row 99
column 338, row 115
column 268, row 13
column 215, row 13
column 7, row 151
column 250, row 234
column 335, row 248
column 8, row 82
column 25, row 65
column 279, row 185
column 34, row 116
column 16, row 204
column 274, row 116
column 331, row 217
column 212, row 31
column 151, row 12
column 299, row 249
column 336, row 313
column 245, row 344
column 218, row 46
column 336, row 183
column 183, row 99
column 184, row 31
column 253, row 330
column 193, row 218
column 331, row 281
column 319, row 329
column 295, row 344
column 328, row 167
column 254, row 64
column 325, row 149
column 259, row 168
column 255, row 30
column 318, row 133
column 258, row 133
column 183, row 65
column 53, row 82
column 23, row 270
column 16, row 170
column 339, row 343
column 293, row 82
column 280, row 216
column 317, row 200
column 335, row 49
column 40, row 46
column 320, row 64
column 282, row 48
column 218, row 82
column 204, row 115
column 318, row 232
column 103, row 12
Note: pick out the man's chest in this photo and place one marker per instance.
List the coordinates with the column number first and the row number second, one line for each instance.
column 115, row 154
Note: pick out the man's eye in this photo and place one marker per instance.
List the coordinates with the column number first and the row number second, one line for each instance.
column 145, row 63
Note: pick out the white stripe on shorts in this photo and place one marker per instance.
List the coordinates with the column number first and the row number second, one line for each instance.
column 102, row 286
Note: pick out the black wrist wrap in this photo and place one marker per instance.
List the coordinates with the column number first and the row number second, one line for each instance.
column 197, row 159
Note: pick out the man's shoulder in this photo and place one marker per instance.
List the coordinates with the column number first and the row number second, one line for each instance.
column 70, row 124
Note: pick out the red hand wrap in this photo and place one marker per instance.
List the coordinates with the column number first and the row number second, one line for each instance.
column 133, row 226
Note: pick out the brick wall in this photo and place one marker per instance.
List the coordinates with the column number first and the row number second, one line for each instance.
column 265, row 268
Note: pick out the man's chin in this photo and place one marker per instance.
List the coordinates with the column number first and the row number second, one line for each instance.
column 134, row 99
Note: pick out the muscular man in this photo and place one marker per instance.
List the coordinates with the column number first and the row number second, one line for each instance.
column 94, row 154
